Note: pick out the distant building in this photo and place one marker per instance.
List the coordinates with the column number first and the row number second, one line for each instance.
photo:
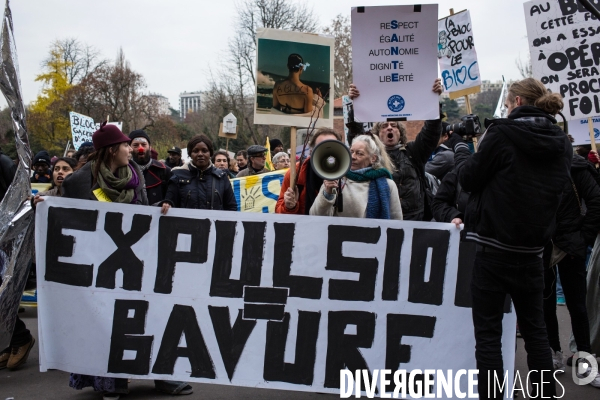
column 190, row 102
column 162, row 103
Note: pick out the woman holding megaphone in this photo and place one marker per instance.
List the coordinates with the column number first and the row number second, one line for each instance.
column 368, row 190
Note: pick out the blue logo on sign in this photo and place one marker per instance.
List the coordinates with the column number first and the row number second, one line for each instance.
column 596, row 133
column 396, row 103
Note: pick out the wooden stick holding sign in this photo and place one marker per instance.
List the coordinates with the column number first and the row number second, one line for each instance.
column 592, row 136
column 293, row 159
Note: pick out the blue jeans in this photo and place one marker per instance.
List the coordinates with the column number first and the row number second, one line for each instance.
column 522, row 277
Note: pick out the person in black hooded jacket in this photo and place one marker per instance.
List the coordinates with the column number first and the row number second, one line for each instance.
column 577, row 225
column 515, row 180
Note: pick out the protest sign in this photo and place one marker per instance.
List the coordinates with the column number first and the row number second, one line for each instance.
column 258, row 193
column 580, row 131
column 564, row 41
column 457, row 56
column 117, row 124
column 394, row 62
column 245, row 299
column 294, row 74
column 82, row 128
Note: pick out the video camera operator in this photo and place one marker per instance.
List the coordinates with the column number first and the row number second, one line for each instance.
column 516, row 180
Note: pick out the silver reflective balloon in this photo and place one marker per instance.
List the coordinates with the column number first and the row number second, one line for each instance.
column 16, row 215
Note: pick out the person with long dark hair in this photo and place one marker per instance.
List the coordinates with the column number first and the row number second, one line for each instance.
column 63, row 167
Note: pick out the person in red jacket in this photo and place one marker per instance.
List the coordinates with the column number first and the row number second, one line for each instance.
column 300, row 200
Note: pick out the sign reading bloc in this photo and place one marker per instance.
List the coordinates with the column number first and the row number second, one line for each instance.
column 258, row 300
column 82, row 128
column 394, row 59
column 258, row 193
column 456, row 53
column 564, row 41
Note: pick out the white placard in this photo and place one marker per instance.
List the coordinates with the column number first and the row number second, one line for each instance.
column 394, row 61
column 82, row 128
column 257, row 300
column 456, row 53
column 564, row 42
column 117, row 124
column 580, row 131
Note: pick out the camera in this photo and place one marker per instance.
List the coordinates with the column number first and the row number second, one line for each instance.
column 470, row 126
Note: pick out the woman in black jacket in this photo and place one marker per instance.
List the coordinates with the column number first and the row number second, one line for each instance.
column 198, row 184
column 577, row 225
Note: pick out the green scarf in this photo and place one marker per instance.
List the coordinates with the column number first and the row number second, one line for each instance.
column 369, row 175
column 114, row 186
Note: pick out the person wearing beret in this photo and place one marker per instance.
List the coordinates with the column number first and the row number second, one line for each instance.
column 256, row 161
column 156, row 174
column 174, row 158
column 110, row 176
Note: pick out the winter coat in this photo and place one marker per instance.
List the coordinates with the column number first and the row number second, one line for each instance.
column 157, row 177
column 410, row 169
column 355, row 197
column 441, row 162
column 206, row 190
column 250, row 171
column 574, row 231
column 280, row 207
column 79, row 184
column 516, row 180
column 450, row 201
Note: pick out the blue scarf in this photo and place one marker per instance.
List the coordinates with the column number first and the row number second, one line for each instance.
column 378, row 203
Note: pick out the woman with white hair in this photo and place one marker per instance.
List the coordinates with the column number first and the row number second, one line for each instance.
column 368, row 190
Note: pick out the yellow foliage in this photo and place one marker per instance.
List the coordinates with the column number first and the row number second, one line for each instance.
column 48, row 119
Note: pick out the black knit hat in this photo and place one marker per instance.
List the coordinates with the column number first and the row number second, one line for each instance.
column 42, row 157
column 139, row 133
column 274, row 143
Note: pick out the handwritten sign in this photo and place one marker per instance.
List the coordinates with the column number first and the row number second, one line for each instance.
column 394, row 54
column 258, row 193
column 117, row 124
column 564, row 41
column 456, row 53
column 82, row 128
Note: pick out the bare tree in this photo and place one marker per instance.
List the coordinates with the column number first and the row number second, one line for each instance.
column 276, row 14
column 341, row 31
column 79, row 59
column 524, row 67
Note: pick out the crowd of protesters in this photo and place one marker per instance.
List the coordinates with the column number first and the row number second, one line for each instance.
column 529, row 205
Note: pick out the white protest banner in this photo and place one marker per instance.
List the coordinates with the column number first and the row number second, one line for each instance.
column 248, row 299
column 394, row 61
column 82, row 128
column 117, row 124
column 456, row 53
column 564, row 41
column 580, row 131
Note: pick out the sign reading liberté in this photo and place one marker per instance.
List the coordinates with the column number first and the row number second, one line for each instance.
column 456, row 53
column 258, row 300
column 564, row 42
column 394, row 62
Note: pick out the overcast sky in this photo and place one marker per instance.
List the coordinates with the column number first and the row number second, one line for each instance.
column 174, row 43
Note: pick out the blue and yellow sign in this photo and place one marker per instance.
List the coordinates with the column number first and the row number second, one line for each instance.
column 258, row 193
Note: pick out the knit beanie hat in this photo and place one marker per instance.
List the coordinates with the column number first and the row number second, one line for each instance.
column 274, row 143
column 42, row 157
column 139, row 133
column 108, row 135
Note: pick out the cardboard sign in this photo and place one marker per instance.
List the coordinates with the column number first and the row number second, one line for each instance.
column 564, row 41
column 394, row 61
column 257, row 300
column 258, row 193
column 82, row 128
column 294, row 74
column 580, row 131
column 456, row 53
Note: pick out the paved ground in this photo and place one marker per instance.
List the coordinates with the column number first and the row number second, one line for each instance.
column 29, row 383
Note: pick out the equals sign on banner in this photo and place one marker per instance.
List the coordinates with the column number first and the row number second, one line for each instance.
column 264, row 303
